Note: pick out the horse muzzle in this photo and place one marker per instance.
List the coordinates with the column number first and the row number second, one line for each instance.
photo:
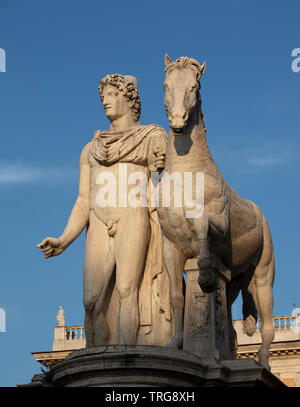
column 178, row 122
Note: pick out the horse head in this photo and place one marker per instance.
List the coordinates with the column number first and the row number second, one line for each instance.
column 182, row 84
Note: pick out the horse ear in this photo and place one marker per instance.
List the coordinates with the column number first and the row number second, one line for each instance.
column 203, row 68
column 168, row 60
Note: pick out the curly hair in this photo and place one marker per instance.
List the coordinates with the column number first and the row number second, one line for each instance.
column 126, row 87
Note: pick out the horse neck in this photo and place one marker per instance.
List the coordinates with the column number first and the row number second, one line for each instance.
column 192, row 143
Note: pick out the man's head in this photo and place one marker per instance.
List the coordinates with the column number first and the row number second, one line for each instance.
column 119, row 95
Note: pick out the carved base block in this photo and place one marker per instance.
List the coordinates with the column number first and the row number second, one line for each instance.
column 206, row 331
column 150, row 366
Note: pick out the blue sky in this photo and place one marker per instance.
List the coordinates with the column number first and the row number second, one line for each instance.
column 57, row 52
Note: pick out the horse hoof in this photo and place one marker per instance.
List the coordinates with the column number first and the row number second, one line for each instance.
column 207, row 289
column 263, row 360
column 207, row 281
column 249, row 325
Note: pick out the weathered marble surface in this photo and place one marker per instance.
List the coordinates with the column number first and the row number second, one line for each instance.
column 150, row 366
column 232, row 228
column 136, row 256
column 126, row 286
column 206, row 328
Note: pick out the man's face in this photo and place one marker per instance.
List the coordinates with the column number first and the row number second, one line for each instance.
column 114, row 103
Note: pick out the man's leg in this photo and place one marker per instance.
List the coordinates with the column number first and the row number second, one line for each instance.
column 174, row 261
column 98, row 268
column 131, row 244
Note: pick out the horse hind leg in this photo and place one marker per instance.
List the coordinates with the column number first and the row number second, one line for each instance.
column 250, row 306
column 264, row 296
column 261, row 289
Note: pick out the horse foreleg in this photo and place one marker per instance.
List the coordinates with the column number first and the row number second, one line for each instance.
column 174, row 261
column 207, row 278
column 219, row 223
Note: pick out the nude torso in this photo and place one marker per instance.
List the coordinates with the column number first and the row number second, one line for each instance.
column 119, row 212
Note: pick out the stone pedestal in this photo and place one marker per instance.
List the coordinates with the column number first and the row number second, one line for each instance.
column 151, row 366
column 206, row 330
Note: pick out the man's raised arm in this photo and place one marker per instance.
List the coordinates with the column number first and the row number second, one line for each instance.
column 79, row 217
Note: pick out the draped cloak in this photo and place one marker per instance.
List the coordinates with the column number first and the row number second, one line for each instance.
column 138, row 145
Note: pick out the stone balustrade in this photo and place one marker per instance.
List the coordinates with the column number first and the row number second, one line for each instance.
column 287, row 328
column 68, row 337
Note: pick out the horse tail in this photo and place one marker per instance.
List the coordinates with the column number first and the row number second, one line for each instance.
column 249, row 312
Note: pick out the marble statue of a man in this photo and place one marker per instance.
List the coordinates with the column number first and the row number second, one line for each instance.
column 123, row 258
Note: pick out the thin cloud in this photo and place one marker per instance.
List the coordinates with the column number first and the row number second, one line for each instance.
column 19, row 173
column 271, row 156
column 266, row 161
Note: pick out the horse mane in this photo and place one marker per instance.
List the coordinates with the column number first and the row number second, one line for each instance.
column 183, row 63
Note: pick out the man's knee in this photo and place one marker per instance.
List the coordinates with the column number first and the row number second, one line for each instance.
column 177, row 300
column 89, row 303
column 125, row 290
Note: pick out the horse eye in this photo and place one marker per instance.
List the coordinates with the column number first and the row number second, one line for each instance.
column 166, row 87
column 193, row 88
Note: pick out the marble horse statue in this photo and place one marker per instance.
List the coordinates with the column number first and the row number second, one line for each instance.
column 231, row 228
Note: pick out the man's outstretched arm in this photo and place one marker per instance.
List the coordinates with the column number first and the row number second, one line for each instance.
column 79, row 217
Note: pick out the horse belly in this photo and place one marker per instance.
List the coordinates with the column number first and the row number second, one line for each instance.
column 246, row 236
